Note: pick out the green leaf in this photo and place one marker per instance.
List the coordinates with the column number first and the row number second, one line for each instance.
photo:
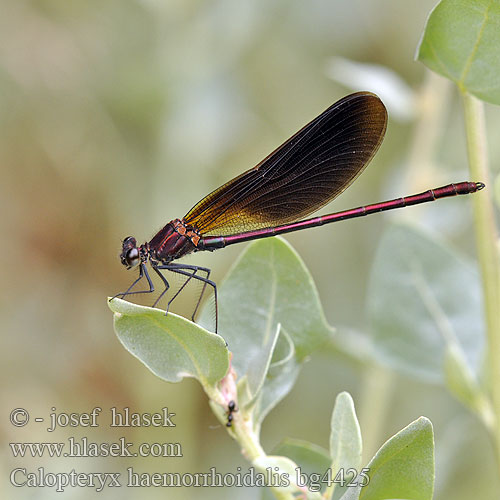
column 251, row 384
column 312, row 460
column 345, row 437
column 273, row 377
column 352, row 494
column 460, row 381
column 461, row 41
column 269, row 286
column 421, row 297
column 283, row 467
column 280, row 378
column 310, row 457
column 170, row 346
column 404, row 465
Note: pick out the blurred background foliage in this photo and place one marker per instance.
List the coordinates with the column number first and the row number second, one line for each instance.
column 116, row 117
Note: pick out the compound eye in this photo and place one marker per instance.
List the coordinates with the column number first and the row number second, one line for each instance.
column 132, row 257
column 129, row 241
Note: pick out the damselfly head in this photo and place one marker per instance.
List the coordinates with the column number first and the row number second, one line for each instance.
column 130, row 256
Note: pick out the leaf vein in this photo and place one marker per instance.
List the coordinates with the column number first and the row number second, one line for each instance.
column 475, row 47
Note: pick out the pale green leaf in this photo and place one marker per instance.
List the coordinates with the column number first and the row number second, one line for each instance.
column 250, row 385
column 170, row 346
column 284, row 469
column 280, row 378
column 310, row 457
column 345, row 436
column 422, row 296
column 404, row 465
column 461, row 41
column 269, row 284
column 460, row 380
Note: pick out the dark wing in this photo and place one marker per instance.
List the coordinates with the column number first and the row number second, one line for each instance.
column 303, row 174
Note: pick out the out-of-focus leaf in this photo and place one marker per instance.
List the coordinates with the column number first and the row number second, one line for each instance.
column 170, row 346
column 397, row 95
column 460, row 41
column 422, row 296
column 461, row 381
column 310, row 457
column 404, row 466
column 461, row 445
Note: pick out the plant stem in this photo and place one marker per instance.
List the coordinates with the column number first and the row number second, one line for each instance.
column 486, row 241
column 433, row 102
column 252, row 450
column 242, row 428
column 374, row 411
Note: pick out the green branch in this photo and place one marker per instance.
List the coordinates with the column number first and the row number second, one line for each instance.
column 487, row 240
